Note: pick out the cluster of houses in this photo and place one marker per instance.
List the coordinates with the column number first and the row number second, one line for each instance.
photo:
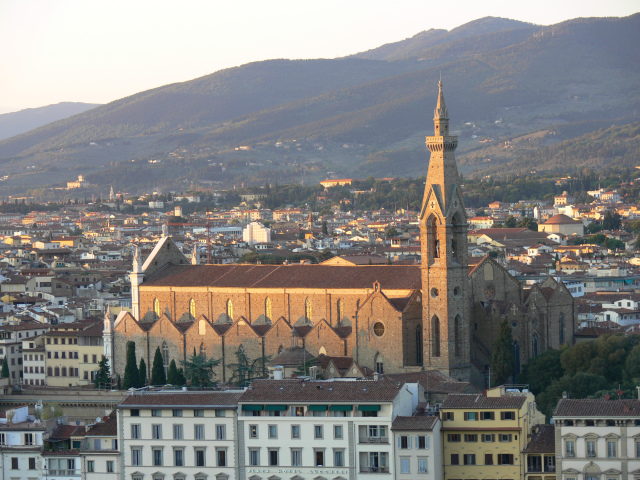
column 391, row 427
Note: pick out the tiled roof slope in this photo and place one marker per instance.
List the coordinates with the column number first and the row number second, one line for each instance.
column 106, row 428
column 542, row 441
column 414, row 423
column 390, row 277
column 482, row 402
column 288, row 391
column 569, row 407
column 181, row 399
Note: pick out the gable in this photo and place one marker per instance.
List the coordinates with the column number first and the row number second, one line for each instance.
column 164, row 253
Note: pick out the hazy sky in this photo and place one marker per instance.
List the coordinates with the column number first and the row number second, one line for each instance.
column 96, row 52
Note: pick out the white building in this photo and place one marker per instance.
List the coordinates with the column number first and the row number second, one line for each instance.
column 20, row 446
column 100, row 456
column 256, row 232
column 320, row 429
column 178, row 435
column 597, row 439
column 418, row 447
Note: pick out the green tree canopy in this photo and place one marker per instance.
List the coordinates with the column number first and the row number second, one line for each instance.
column 103, row 379
column 157, row 370
column 5, row 368
column 502, row 360
column 131, row 379
column 175, row 376
column 142, row 372
column 200, row 371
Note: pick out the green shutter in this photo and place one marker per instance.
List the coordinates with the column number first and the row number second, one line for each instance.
column 369, row 408
column 318, row 408
column 252, row 408
column 341, row 408
column 275, row 408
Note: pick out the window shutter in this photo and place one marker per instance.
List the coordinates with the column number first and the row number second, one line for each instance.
column 501, row 415
column 466, row 415
column 478, row 416
column 426, row 441
column 417, row 441
column 492, row 415
column 409, row 441
column 399, row 442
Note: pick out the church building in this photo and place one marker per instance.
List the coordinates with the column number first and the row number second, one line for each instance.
column 440, row 315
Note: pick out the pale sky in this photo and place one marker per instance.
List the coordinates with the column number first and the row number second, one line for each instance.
column 98, row 51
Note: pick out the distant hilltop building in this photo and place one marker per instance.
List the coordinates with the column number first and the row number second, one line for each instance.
column 339, row 182
column 80, row 183
column 255, row 232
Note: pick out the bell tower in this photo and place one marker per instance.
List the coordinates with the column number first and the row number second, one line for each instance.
column 443, row 234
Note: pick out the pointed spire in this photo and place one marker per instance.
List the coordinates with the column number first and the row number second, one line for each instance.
column 195, row 258
column 441, row 108
column 137, row 261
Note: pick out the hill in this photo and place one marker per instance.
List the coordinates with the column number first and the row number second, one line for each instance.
column 502, row 79
column 15, row 123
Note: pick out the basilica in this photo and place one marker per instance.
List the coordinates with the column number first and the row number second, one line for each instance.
column 440, row 315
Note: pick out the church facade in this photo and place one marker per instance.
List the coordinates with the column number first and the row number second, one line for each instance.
column 437, row 316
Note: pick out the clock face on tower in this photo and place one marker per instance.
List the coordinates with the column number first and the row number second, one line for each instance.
column 489, row 291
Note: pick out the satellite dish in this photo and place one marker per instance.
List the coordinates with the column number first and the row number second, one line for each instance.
column 607, row 396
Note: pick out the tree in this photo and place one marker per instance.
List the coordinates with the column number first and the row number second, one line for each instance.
column 325, row 255
column 541, row 370
column 51, row 410
column 391, row 232
column 325, row 230
column 142, row 372
column 528, row 222
column 632, row 364
column 119, row 384
column 131, row 379
column 245, row 370
column 199, row 370
column 5, row 368
column 157, row 370
column 510, row 222
column 103, row 379
column 175, row 377
column 502, row 361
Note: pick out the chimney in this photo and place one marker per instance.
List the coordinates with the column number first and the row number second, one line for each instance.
column 565, row 395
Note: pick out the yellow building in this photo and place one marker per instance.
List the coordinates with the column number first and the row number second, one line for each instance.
column 70, row 356
column 484, row 435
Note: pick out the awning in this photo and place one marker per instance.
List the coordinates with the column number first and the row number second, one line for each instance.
column 253, row 408
column 275, row 408
column 369, row 408
column 628, row 281
column 318, row 408
column 341, row 408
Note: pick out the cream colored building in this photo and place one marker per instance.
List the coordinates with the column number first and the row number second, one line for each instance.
column 562, row 224
column 597, row 439
column 484, row 435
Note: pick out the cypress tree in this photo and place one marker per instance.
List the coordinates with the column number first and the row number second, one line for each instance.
column 142, row 372
column 502, row 361
column 5, row 368
column 157, row 370
column 131, row 379
column 119, row 384
column 174, row 377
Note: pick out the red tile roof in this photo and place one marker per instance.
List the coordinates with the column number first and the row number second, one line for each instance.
column 207, row 399
column 542, row 441
column 482, row 402
column 414, row 423
column 568, row 407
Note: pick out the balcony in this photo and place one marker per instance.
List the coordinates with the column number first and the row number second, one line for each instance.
column 63, row 473
column 374, row 469
column 376, row 440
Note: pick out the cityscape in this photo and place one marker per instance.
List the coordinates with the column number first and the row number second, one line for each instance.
column 460, row 301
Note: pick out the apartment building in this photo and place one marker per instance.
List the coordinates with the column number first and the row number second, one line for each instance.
column 484, row 435
column 11, row 337
column 99, row 454
column 33, row 363
column 597, row 439
column 178, row 435
column 312, row 429
column 20, row 445
column 418, row 452
column 540, row 454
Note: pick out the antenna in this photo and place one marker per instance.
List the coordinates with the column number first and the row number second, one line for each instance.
column 208, row 238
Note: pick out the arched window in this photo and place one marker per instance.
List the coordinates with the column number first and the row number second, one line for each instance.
column 192, row 308
column 435, row 336
column 308, row 309
column 379, row 363
column 457, row 336
column 535, row 345
column 203, row 351
column 156, row 306
column 434, row 243
column 516, row 358
column 322, row 351
column 230, row 309
column 419, row 344
column 165, row 358
column 57, row 371
column 280, row 349
column 267, row 308
column 340, row 310
column 561, row 329
column 456, row 238
column 64, row 371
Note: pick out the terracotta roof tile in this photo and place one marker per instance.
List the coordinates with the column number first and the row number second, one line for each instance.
column 108, row 427
column 482, row 402
column 290, row 391
column 418, row 423
column 542, row 441
column 597, row 407
column 402, row 277
column 181, row 399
